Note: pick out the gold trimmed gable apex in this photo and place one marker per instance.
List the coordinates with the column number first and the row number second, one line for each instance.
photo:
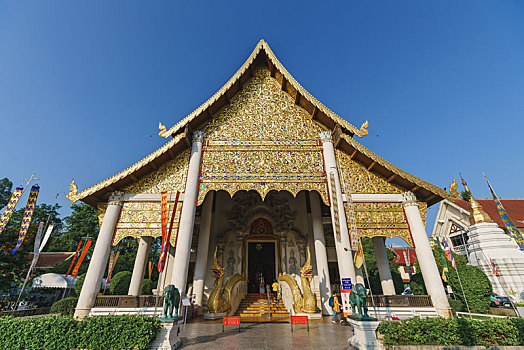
column 300, row 95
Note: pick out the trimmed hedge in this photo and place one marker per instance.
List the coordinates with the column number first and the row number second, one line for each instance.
column 453, row 331
column 65, row 307
column 147, row 287
column 79, row 284
column 64, row 332
column 120, row 283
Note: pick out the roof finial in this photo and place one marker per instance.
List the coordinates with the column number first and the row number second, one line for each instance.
column 453, row 190
column 363, row 131
column 477, row 215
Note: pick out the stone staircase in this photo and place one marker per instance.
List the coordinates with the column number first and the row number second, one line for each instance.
column 254, row 307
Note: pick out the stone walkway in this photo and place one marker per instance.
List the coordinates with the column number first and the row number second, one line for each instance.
column 266, row 336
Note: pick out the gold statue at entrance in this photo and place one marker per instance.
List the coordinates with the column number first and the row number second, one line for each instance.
column 219, row 300
column 303, row 301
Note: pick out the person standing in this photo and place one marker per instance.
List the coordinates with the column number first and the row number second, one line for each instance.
column 335, row 305
column 274, row 286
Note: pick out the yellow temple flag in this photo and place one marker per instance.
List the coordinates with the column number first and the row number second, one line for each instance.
column 445, row 274
column 358, row 259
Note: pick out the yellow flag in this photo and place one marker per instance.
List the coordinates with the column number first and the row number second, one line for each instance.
column 358, row 259
column 445, row 274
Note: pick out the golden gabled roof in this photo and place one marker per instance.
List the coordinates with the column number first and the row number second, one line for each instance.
column 288, row 83
column 180, row 133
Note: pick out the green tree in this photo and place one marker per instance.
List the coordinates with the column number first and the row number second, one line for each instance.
column 371, row 264
column 82, row 223
column 465, row 195
column 5, row 191
column 14, row 267
column 120, row 283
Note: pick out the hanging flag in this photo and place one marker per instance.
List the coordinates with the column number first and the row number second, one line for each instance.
column 38, row 239
column 11, row 205
column 510, row 226
column 28, row 215
column 82, row 256
column 494, row 268
column 167, row 237
column 163, row 213
column 46, row 237
column 358, row 259
column 445, row 272
column 74, row 258
column 449, row 254
column 112, row 264
column 151, row 265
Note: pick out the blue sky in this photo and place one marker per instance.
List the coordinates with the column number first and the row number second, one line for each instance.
column 83, row 85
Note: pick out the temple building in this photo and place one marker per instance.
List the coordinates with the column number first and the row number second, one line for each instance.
column 272, row 186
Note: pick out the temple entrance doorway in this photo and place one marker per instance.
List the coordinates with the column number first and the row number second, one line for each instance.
column 261, row 266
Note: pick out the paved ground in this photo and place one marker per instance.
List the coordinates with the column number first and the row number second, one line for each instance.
column 266, row 336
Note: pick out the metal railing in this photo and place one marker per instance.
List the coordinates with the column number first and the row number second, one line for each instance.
column 400, row 300
column 26, row 312
column 127, row 301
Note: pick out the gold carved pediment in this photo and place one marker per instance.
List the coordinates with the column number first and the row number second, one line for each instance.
column 169, row 177
column 361, row 180
column 262, row 141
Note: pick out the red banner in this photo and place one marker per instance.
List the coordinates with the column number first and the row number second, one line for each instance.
column 82, row 256
column 167, row 237
column 163, row 213
column 74, row 258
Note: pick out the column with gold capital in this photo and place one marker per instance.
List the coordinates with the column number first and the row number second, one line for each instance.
column 338, row 215
column 187, row 216
column 98, row 263
column 427, row 263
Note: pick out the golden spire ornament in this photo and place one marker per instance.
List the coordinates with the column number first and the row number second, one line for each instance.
column 477, row 215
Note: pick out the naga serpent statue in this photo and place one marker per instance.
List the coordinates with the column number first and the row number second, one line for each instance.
column 219, row 300
column 303, row 301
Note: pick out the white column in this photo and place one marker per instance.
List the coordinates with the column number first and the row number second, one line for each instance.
column 137, row 278
column 386, row 281
column 187, row 216
column 202, row 250
column 425, row 257
column 98, row 263
column 359, row 276
column 168, row 269
column 320, row 253
column 342, row 244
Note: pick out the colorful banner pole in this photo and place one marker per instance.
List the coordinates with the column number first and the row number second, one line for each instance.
column 167, row 237
column 112, row 264
column 10, row 208
column 510, row 226
column 82, row 256
column 28, row 215
column 151, row 265
column 74, row 258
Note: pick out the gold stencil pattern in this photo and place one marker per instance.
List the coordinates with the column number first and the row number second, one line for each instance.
column 143, row 219
column 384, row 219
column 262, row 141
column 170, row 177
column 361, row 180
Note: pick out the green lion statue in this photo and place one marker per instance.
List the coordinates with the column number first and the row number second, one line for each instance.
column 356, row 299
column 171, row 297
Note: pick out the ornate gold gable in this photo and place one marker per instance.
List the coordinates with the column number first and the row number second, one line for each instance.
column 262, row 141
column 375, row 219
column 143, row 219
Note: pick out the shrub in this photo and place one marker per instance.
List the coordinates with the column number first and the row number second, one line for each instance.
column 65, row 307
column 456, row 305
column 453, row 331
column 147, row 287
column 477, row 287
column 79, row 283
column 64, row 332
column 417, row 284
column 120, row 283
